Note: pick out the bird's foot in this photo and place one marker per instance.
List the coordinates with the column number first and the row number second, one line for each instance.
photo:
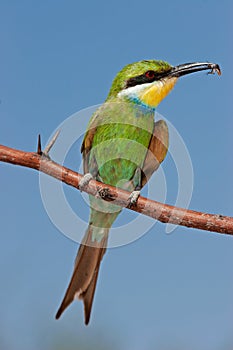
column 134, row 197
column 85, row 181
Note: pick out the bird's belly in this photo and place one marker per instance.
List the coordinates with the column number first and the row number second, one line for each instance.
column 117, row 172
column 118, row 160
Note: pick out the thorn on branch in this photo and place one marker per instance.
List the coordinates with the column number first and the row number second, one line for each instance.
column 39, row 151
column 51, row 143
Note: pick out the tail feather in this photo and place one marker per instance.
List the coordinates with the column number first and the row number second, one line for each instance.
column 88, row 295
column 84, row 278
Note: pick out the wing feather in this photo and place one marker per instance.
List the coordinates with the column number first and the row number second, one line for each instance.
column 157, row 150
column 87, row 145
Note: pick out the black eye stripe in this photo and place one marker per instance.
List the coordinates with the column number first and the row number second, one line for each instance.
column 140, row 79
column 146, row 78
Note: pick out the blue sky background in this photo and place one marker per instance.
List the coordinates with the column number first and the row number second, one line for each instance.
column 163, row 291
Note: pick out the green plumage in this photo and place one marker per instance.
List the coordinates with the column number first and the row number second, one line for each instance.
column 121, row 141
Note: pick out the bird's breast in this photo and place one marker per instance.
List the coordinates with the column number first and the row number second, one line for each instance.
column 120, row 148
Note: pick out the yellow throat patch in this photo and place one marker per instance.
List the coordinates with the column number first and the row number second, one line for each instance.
column 152, row 95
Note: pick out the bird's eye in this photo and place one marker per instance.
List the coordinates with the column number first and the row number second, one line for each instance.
column 150, row 74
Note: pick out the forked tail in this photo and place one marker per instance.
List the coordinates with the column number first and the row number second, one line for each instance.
column 83, row 281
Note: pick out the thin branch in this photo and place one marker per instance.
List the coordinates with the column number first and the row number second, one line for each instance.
column 162, row 212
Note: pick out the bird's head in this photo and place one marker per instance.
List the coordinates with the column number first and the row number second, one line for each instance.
column 148, row 82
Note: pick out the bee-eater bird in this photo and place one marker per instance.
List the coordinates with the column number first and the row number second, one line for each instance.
column 122, row 147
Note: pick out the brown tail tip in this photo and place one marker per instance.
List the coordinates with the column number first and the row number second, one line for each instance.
column 62, row 308
column 58, row 314
column 87, row 318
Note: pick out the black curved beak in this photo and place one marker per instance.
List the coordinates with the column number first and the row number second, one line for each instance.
column 189, row 68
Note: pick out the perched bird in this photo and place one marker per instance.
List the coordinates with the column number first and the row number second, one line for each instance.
column 123, row 146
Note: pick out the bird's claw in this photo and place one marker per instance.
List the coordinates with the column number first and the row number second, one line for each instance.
column 85, row 181
column 134, row 197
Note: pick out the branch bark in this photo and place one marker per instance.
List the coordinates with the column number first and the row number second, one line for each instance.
column 162, row 212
